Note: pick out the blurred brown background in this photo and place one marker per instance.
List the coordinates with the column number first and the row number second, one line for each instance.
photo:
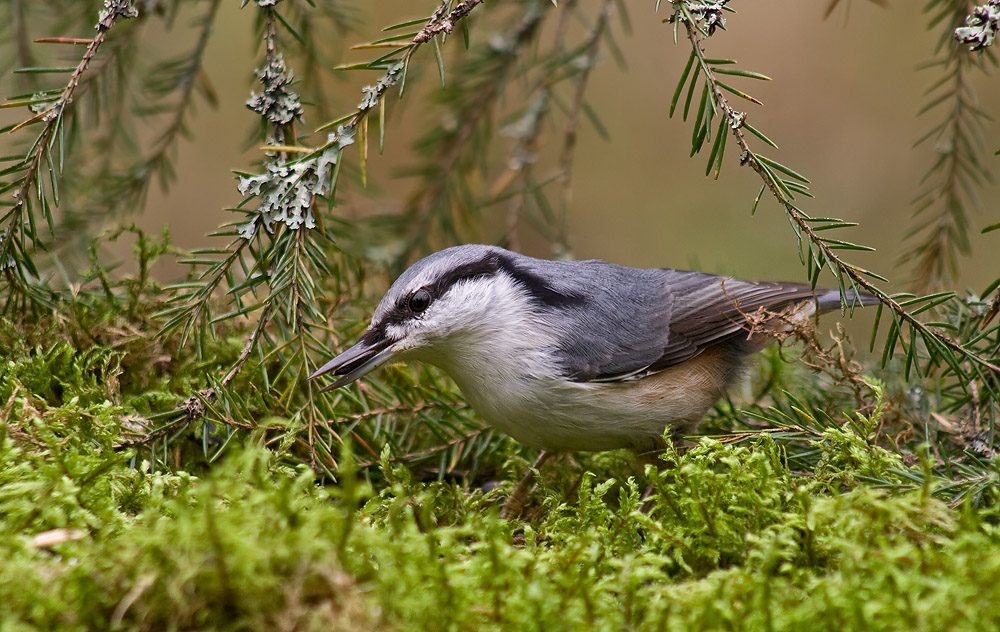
column 842, row 107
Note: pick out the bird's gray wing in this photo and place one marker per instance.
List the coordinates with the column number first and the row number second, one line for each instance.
column 642, row 321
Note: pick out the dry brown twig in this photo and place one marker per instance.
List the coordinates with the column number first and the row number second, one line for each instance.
column 836, row 361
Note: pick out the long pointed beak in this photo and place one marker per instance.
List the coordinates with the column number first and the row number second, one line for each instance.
column 356, row 362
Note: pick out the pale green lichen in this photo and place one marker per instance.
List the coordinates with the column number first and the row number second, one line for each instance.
column 981, row 26
column 289, row 190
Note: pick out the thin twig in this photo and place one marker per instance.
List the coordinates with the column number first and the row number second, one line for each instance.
column 521, row 160
column 446, row 24
column 258, row 331
column 441, row 21
column 569, row 135
column 472, row 112
column 190, row 81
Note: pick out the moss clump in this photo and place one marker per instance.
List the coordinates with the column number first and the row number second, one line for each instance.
column 733, row 540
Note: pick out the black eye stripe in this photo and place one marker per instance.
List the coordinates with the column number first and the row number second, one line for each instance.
column 477, row 269
column 540, row 292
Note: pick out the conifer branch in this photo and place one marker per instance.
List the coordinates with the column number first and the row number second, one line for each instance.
column 590, row 51
column 699, row 22
column 519, row 181
column 442, row 21
column 18, row 226
column 155, row 160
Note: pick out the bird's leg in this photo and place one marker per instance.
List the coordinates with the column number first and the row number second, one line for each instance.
column 514, row 505
column 655, row 458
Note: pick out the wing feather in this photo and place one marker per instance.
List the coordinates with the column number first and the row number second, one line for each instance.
column 709, row 310
column 682, row 314
column 632, row 322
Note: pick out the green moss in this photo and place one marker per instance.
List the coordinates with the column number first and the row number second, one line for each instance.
column 733, row 540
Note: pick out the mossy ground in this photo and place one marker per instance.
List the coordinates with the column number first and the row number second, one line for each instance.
column 94, row 536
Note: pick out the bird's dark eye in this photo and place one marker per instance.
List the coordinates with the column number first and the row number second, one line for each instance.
column 419, row 301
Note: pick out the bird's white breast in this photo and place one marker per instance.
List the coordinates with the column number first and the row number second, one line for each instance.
column 512, row 378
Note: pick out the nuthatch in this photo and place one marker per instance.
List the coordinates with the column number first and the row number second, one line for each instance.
column 574, row 355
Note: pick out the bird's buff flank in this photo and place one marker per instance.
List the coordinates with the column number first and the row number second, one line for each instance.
column 574, row 355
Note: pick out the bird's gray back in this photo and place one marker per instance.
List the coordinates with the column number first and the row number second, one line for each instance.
column 614, row 319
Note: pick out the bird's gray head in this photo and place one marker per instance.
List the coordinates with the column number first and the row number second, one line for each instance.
column 459, row 293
